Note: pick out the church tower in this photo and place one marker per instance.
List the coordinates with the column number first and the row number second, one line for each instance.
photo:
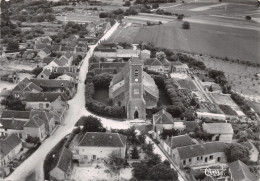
column 136, row 106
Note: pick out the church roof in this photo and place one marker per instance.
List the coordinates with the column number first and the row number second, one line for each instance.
column 163, row 117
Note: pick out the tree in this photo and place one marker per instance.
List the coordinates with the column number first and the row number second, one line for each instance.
column 224, row 90
column 186, row 25
column 193, row 102
column 153, row 160
column 140, row 170
column 115, row 161
column 91, row 124
column 135, row 153
column 236, row 151
column 36, row 71
column 160, row 55
column 34, row 140
column 127, row 3
column 211, row 89
column 162, row 172
column 12, row 45
column 155, row 5
column 248, row 17
column 12, row 103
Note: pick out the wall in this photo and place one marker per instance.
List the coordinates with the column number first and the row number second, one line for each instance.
column 34, row 132
column 105, row 54
column 36, row 105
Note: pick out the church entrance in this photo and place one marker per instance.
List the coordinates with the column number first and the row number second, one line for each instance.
column 136, row 115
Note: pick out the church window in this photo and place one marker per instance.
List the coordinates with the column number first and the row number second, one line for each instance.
column 136, row 72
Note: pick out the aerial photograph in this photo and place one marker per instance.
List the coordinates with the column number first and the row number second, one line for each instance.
column 130, row 90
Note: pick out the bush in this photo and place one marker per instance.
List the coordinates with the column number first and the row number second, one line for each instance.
column 180, row 16
column 248, row 17
column 186, row 25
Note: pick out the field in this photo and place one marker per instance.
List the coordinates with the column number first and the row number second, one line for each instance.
column 201, row 38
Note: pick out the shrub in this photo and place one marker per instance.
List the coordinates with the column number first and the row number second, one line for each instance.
column 186, row 25
column 248, row 17
column 180, row 16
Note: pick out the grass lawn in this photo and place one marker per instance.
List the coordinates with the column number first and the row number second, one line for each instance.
column 102, row 95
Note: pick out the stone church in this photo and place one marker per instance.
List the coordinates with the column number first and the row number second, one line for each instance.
column 134, row 89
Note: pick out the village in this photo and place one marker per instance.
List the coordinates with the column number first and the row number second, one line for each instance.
column 87, row 108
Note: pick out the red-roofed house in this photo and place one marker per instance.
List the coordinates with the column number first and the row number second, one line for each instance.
column 99, row 145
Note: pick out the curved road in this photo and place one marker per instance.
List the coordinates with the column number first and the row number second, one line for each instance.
column 76, row 110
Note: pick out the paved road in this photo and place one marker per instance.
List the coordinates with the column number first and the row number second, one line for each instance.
column 76, row 110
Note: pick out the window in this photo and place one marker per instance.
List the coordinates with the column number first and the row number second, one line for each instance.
column 136, row 73
column 201, row 157
column 218, row 159
column 190, row 160
column 198, row 158
column 184, row 162
column 42, row 76
column 211, row 157
column 136, row 91
column 47, row 105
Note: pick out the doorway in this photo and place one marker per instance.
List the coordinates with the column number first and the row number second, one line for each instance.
column 136, row 115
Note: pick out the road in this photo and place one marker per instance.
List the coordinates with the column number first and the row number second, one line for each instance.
column 76, row 110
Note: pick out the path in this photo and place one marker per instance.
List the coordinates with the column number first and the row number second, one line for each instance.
column 76, row 110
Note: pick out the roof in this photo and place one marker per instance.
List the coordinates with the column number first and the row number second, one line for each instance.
column 218, row 128
column 208, row 179
column 44, row 116
column 26, row 85
column 200, row 149
column 100, row 139
column 153, row 62
column 8, row 144
column 12, row 124
column 53, row 83
column 64, row 160
column 105, row 50
column 45, row 97
column 191, row 126
column 48, row 60
column 56, row 48
column 241, row 172
column 178, row 64
column 35, row 122
column 68, row 55
column 127, row 53
column 163, row 117
column 46, row 50
column 46, row 72
column 8, row 114
column 180, row 141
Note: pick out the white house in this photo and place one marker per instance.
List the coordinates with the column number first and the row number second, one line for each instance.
column 99, row 145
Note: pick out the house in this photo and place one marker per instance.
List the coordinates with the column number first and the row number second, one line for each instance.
column 43, row 100
column 35, row 127
column 59, row 62
column 54, row 85
column 154, row 64
column 240, row 172
column 200, row 154
column 107, row 53
column 43, row 40
column 44, row 53
column 12, row 122
column 56, row 48
column 253, row 151
column 127, row 53
column 45, row 74
column 68, row 76
column 47, row 60
column 175, row 142
column 145, row 54
column 99, row 145
column 63, row 167
column 25, row 87
column 134, row 89
column 179, row 67
column 219, row 131
column 9, row 148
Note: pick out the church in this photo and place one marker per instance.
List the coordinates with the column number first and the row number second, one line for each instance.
column 134, row 89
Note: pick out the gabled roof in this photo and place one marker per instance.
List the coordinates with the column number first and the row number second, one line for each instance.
column 218, row 128
column 152, row 62
column 180, row 141
column 48, row 60
column 64, row 160
column 241, row 172
column 45, row 97
column 26, row 85
column 8, row 144
column 12, row 124
column 8, row 114
column 35, row 122
column 46, row 72
column 56, row 48
column 165, row 62
column 163, row 117
column 208, row 179
column 68, row 55
column 44, row 115
column 200, row 149
column 53, row 83
column 100, row 139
